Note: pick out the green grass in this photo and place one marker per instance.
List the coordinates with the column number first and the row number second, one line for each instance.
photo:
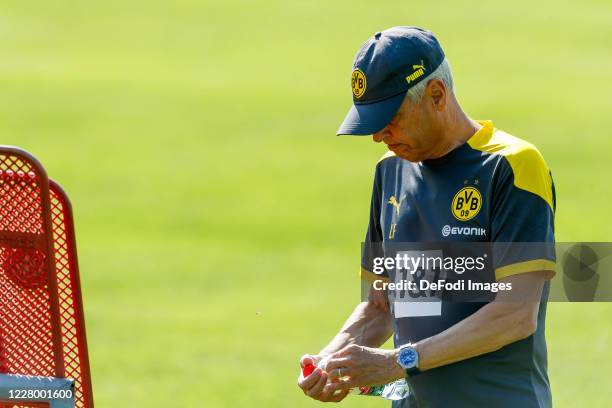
column 219, row 219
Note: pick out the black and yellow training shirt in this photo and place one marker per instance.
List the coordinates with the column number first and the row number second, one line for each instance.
column 494, row 188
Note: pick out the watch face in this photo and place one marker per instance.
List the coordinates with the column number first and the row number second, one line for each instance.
column 407, row 357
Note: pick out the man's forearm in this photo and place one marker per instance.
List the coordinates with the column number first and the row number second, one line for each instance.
column 495, row 325
column 370, row 325
column 490, row 328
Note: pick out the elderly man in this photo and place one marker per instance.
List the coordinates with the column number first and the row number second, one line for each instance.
column 443, row 172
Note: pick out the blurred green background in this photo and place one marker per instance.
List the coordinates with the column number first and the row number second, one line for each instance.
column 219, row 218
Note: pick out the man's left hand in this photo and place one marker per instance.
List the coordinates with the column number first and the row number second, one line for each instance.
column 364, row 366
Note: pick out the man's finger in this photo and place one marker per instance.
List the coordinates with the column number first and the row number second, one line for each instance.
column 341, row 385
column 339, row 396
column 315, row 391
column 306, row 359
column 339, row 362
column 341, row 372
column 308, row 382
column 327, row 393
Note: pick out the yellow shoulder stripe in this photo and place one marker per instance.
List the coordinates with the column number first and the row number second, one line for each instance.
column 386, row 156
column 371, row 276
column 535, row 265
column 530, row 170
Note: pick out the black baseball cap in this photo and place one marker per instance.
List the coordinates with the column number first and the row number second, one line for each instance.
column 385, row 68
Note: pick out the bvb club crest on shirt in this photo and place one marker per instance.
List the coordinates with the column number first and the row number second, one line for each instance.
column 358, row 83
column 466, row 203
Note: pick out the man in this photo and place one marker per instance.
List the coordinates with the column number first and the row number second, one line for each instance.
column 444, row 172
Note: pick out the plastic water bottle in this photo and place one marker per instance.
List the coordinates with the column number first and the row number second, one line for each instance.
column 392, row 391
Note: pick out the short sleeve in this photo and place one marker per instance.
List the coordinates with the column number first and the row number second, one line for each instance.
column 522, row 219
column 372, row 245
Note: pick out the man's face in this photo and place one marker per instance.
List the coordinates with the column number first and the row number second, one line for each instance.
column 411, row 134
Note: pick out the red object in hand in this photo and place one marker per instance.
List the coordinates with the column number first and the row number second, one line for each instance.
column 308, row 369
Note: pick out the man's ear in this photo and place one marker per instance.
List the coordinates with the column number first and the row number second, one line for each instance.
column 436, row 91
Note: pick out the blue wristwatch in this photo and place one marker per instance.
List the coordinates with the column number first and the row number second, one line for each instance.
column 408, row 359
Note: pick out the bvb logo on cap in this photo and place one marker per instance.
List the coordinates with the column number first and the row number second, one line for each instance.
column 358, row 83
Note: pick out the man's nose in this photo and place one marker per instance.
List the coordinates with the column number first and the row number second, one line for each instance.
column 379, row 137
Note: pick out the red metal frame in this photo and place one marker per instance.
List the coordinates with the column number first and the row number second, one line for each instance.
column 72, row 318
column 42, row 326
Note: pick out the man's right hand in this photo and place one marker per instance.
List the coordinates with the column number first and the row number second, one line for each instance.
column 313, row 384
